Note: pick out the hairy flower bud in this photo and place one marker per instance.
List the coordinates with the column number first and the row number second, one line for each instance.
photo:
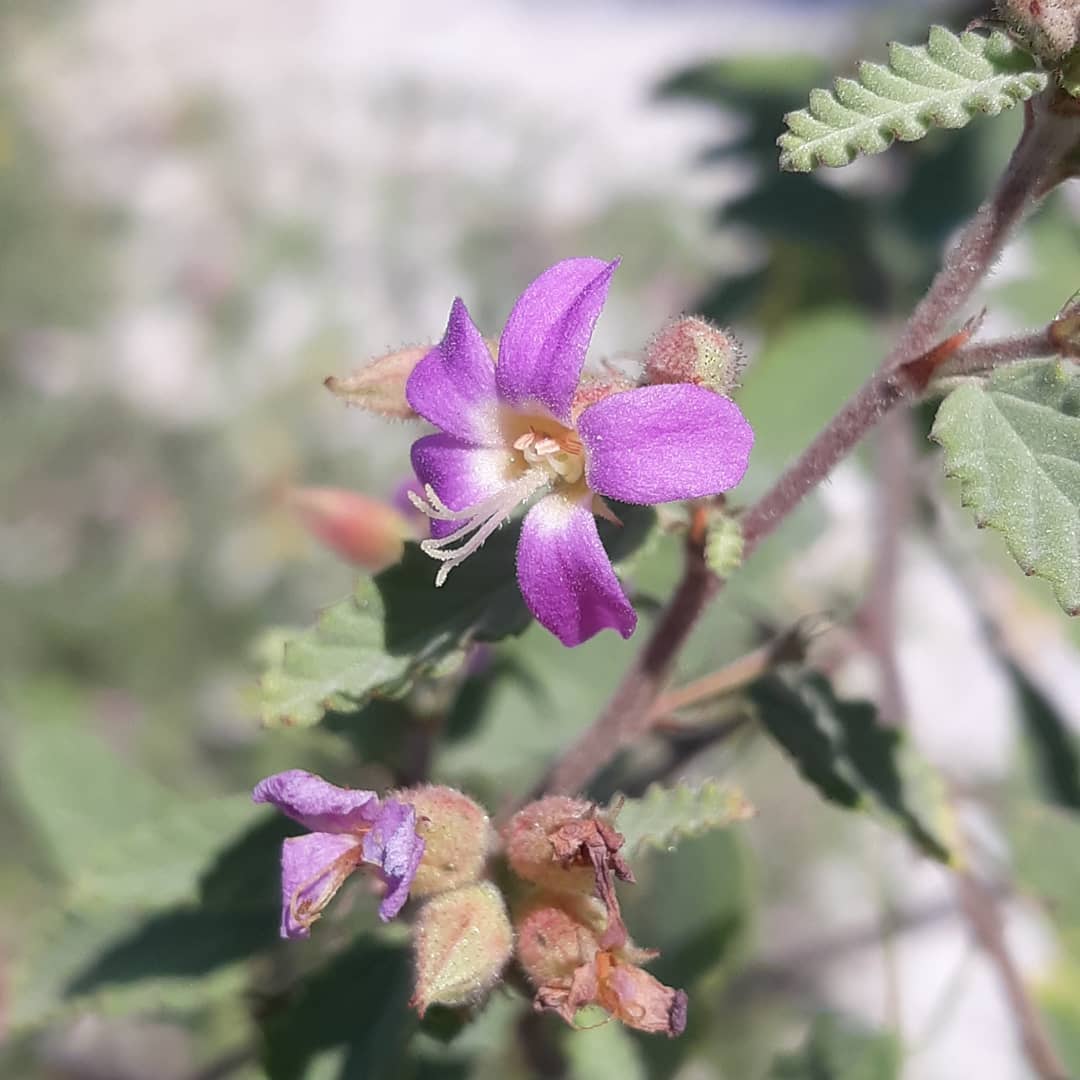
column 692, row 350
column 530, row 849
column 561, row 949
column 1050, row 27
column 363, row 531
column 463, row 940
column 457, row 836
column 379, row 386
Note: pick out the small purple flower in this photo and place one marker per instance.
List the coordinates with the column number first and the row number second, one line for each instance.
column 348, row 828
column 512, row 430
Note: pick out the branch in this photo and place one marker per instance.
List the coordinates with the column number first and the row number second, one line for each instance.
column 629, row 713
column 1037, row 165
column 980, row 907
column 1039, row 161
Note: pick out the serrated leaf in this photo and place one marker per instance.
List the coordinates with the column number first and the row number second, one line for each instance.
column 665, row 815
column 1013, row 442
column 398, row 625
column 941, row 84
column 838, row 1049
column 853, row 761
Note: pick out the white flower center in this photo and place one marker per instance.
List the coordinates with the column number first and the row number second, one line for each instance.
column 550, row 459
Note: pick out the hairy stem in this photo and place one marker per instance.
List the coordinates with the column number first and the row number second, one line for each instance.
column 1033, row 170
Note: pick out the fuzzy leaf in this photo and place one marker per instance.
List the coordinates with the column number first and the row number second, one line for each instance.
column 398, row 625
column 663, row 816
column 852, row 760
column 940, row 84
column 1014, row 444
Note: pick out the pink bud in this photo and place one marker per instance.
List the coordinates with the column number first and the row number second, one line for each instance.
column 379, row 386
column 457, row 837
column 691, row 350
column 1050, row 27
column 592, row 389
column 560, row 946
column 463, row 940
column 530, row 849
column 363, row 531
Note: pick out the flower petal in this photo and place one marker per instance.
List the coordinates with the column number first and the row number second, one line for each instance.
column 454, row 385
column 461, row 474
column 313, row 868
column 565, row 574
column 661, row 443
column 543, row 346
column 316, row 804
column 393, row 846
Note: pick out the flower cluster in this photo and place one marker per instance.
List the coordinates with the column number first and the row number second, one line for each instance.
column 435, row 843
column 571, row 940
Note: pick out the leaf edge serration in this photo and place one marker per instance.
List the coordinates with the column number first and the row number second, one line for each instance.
column 1010, row 76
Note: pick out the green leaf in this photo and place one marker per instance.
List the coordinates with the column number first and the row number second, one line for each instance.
column 942, row 84
column 1013, row 442
column 665, row 815
column 398, row 625
column 1044, row 841
column 852, row 760
column 1054, row 746
column 602, row 1052
column 116, row 836
column 837, row 1049
column 358, row 1001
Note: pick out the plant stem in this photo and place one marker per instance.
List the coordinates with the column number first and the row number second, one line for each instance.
column 1036, row 165
column 894, row 473
column 1033, row 170
column 980, row 907
column 629, row 713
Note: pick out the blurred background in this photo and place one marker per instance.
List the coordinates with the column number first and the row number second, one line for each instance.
column 205, row 209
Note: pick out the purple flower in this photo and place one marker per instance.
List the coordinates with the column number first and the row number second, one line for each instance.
column 348, row 828
column 512, row 430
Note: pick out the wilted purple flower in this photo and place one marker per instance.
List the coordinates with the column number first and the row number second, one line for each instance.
column 512, row 429
column 348, row 828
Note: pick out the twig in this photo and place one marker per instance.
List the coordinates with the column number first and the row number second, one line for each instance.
column 895, row 491
column 980, row 907
column 629, row 713
column 979, row 359
column 1037, row 163
column 1035, row 167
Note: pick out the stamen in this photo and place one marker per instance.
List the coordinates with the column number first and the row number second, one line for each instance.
column 480, row 521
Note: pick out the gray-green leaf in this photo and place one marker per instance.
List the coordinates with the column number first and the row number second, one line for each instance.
column 663, row 816
column 1014, row 444
column 941, row 84
column 399, row 625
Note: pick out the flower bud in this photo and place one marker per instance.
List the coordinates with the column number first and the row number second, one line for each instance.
column 531, row 852
column 556, row 934
column 561, row 949
column 363, row 531
column 591, row 390
column 457, row 835
column 379, row 386
column 1050, row 27
column 463, row 940
column 691, row 350
column 724, row 544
